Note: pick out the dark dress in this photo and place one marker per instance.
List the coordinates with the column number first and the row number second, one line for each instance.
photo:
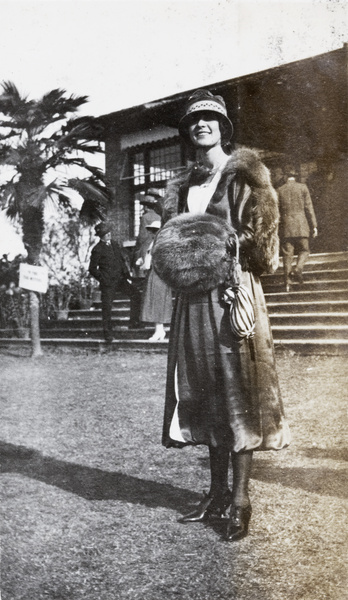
column 222, row 391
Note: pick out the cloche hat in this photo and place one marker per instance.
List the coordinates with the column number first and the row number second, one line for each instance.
column 154, row 225
column 203, row 100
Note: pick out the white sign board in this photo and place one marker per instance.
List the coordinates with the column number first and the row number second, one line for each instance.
column 33, row 278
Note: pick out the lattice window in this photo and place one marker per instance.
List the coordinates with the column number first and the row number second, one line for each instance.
column 164, row 162
column 152, row 167
column 139, row 168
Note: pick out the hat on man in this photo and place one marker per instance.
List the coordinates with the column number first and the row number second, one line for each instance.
column 151, row 198
column 102, row 229
column 292, row 173
column 154, row 193
column 202, row 101
column 154, row 225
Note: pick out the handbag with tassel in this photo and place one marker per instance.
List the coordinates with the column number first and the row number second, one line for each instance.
column 237, row 295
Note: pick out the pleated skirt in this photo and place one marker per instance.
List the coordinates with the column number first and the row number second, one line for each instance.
column 222, row 391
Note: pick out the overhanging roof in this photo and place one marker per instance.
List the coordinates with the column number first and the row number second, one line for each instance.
column 299, row 108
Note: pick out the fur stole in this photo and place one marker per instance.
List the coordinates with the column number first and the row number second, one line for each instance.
column 263, row 254
column 190, row 252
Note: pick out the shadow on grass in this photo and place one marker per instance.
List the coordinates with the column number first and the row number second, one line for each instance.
column 322, row 480
column 339, row 454
column 91, row 483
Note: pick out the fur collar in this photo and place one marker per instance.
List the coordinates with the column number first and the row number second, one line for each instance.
column 247, row 164
column 244, row 161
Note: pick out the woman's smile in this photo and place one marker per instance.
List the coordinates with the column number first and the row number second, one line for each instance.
column 205, row 129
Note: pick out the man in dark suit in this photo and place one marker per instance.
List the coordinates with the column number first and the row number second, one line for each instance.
column 297, row 224
column 108, row 266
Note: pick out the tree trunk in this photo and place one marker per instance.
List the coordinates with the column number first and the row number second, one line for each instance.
column 35, row 325
column 33, row 226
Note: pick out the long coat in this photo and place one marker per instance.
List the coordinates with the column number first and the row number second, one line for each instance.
column 222, row 391
column 297, row 217
column 107, row 264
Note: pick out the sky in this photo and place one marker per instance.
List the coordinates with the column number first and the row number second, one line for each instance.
column 125, row 53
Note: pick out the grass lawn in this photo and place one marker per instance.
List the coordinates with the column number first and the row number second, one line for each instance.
column 90, row 498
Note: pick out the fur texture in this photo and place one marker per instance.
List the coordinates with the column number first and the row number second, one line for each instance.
column 190, row 252
column 264, row 255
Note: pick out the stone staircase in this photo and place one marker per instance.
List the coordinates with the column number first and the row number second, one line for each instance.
column 311, row 318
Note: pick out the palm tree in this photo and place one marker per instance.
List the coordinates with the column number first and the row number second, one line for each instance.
column 38, row 147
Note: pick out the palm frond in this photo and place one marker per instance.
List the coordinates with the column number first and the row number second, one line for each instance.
column 89, row 188
column 8, row 155
column 10, row 99
column 12, row 212
column 9, row 198
column 14, row 105
column 96, row 172
column 95, row 198
column 56, row 104
column 64, row 200
column 12, row 133
column 91, row 212
column 84, row 127
column 32, row 147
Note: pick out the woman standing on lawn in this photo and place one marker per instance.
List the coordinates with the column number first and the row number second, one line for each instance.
column 222, row 391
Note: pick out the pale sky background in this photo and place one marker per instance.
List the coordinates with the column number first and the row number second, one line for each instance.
column 125, row 53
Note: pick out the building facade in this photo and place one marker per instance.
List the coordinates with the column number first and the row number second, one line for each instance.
column 295, row 115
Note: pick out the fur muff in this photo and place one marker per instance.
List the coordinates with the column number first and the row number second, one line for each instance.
column 190, row 252
column 247, row 163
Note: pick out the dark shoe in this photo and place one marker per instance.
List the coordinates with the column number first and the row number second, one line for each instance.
column 238, row 523
column 210, row 508
column 300, row 278
column 296, row 276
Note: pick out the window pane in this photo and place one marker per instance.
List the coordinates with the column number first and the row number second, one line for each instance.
column 139, row 168
column 138, row 211
column 163, row 162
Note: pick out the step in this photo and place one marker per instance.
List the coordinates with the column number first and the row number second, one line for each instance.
column 320, row 266
column 80, row 344
column 312, row 346
column 92, row 313
column 76, row 323
column 309, row 318
column 321, row 306
column 309, row 286
column 297, row 329
column 83, row 328
column 299, row 346
column 123, row 333
column 309, row 276
column 321, row 258
column 310, row 332
column 332, row 295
